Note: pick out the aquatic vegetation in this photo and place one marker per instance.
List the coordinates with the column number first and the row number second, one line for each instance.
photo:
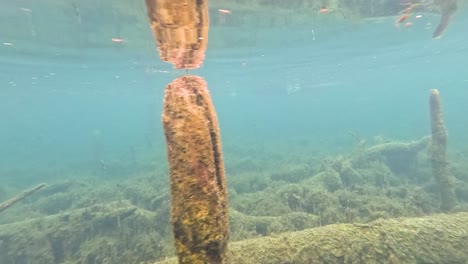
column 404, row 240
column 365, row 186
column 262, row 203
column 295, row 173
column 247, row 164
column 248, row 182
column 97, row 234
column 247, row 226
column 360, row 197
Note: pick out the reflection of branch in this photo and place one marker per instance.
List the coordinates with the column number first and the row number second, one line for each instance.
column 180, row 30
column 20, row 197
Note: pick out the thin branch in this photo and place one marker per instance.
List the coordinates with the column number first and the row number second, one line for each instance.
column 20, row 196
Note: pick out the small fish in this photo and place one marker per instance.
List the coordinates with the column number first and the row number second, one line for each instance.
column 24, row 9
column 402, row 18
column 405, row 14
column 224, row 11
column 103, row 165
column 118, row 40
column 77, row 12
column 447, row 10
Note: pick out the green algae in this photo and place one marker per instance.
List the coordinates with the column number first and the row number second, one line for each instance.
column 98, row 234
column 433, row 239
column 365, row 186
column 247, row 226
column 76, row 221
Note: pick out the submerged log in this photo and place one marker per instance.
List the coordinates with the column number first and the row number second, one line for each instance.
column 112, row 233
column 400, row 157
column 198, row 185
column 432, row 239
column 440, row 171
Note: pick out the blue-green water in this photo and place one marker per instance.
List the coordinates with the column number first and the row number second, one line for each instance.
column 71, row 110
column 309, row 82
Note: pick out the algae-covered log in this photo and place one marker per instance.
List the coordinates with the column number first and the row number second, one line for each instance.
column 433, row 239
column 113, row 233
column 439, row 151
column 399, row 156
column 198, row 186
column 180, row 28
column 398, row 148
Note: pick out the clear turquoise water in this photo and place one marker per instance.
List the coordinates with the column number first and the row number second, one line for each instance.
column 62, row 108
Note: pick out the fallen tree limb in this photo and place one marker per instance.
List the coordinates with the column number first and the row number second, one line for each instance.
column 5, row 205
column 432, row 239
column 117, row 232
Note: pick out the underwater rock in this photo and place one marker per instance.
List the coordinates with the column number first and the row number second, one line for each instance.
column 432, row 239
column 180, row 28
column 438, row 153
column 199, row 213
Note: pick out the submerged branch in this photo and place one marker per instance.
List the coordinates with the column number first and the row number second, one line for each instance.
column 5, row 205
